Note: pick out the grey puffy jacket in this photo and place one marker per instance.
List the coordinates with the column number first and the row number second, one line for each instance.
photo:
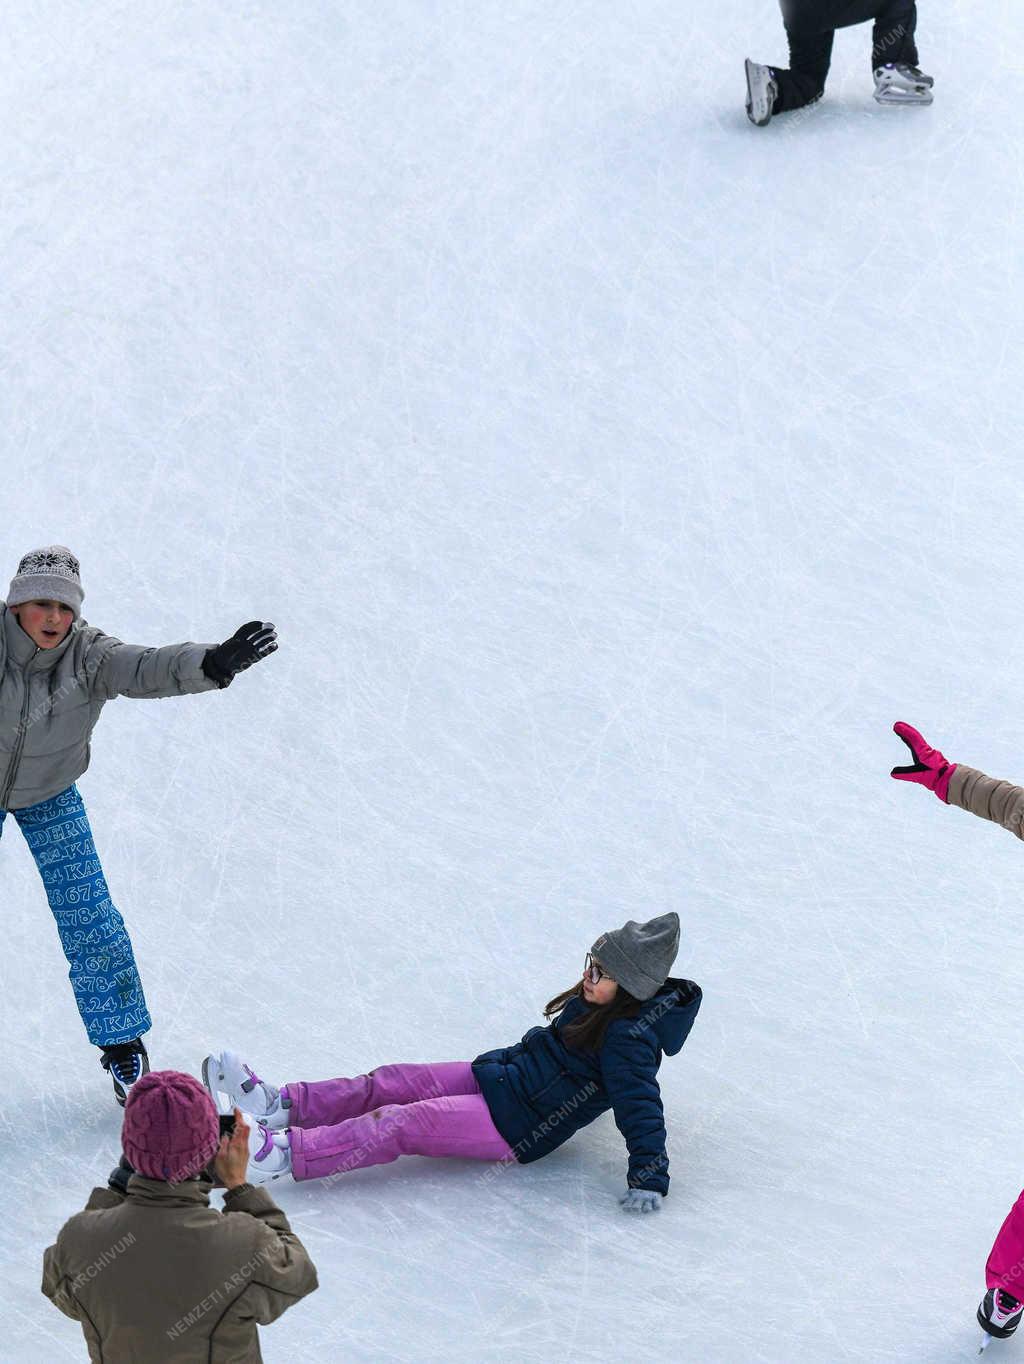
column 50, row 700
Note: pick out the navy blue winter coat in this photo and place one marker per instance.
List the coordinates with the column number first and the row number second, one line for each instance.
column 540, row 1091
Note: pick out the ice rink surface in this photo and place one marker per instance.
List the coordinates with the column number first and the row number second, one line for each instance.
column 616, row 474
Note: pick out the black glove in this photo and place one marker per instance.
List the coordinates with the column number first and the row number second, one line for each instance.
column 120, row 1174
column 246, row 646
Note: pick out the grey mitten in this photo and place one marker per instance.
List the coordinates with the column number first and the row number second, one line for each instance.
column 640, row 1200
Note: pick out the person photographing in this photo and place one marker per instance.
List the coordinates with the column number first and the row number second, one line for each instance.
column 151, row 1271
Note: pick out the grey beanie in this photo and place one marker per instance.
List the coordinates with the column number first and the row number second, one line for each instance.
column 640, row 956
column 48, row 574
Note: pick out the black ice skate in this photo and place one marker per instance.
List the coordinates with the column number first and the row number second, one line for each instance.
column 898, row 84
column 127, row 1062
column 762, row 92
column 999, row 1314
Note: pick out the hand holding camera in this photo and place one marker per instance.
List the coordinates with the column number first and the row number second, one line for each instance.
column 232, row 1159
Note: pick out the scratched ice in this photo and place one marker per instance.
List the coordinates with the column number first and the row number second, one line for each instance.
column 615, row 474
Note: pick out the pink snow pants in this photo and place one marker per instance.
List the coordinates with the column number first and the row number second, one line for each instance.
column 404, row 1110
column 1005, row 1268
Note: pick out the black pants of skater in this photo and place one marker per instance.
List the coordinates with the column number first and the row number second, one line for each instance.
column 811, row 26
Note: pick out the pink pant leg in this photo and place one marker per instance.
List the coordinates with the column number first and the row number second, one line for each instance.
column 458, row 1125
column 323, row 1103
column 1005, row 1268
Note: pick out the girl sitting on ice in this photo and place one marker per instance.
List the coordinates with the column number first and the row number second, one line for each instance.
column 56, row 675
column 516, row 1104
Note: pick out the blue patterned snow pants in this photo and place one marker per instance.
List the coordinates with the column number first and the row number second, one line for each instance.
column 107, row 988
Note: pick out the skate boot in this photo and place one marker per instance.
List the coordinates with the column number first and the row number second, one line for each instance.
column 270, row 1155
column 999, row 1314
column 762, row 92
column 126, row 1063
column 898, row 84
column 226, row 1074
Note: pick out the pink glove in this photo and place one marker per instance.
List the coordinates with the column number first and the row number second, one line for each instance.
column 930, row 767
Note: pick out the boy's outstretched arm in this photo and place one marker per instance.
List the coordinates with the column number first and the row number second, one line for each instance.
column 146, row 674
column 1000, row 801
column 118, row 669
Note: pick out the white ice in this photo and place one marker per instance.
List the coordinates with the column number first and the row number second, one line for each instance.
column 616, row 474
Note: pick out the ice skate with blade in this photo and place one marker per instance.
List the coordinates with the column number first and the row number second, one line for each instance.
column 270, row 1154
column 233, row 1084
column 762, row 92
column 899, row 84
column 126, row 1063
column 998, row 1315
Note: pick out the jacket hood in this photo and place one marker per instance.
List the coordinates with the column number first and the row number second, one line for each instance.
column 670, row 1014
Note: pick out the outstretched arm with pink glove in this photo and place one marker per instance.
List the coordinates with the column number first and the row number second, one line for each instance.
column 956, row 784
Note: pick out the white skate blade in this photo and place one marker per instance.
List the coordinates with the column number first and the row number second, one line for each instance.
column 760, row 96
column 225, row 1108
column 896, row 85
column 986, row 1341
column 922, row 95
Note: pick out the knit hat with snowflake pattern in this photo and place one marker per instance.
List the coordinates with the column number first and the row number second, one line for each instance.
column 48, row 574
column 171, row 1130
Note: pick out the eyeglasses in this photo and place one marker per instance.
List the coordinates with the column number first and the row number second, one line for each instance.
column 594, row 972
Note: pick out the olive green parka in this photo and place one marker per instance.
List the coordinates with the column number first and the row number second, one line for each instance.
column 157, row 1276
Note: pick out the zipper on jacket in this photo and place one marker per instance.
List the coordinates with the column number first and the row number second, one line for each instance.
column 12, row 770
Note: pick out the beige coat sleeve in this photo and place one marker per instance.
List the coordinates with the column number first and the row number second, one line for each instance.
column 280, row 1271
column 1000, row 801
column 56, row 1283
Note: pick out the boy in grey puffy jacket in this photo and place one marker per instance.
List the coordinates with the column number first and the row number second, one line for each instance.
column 56, row 674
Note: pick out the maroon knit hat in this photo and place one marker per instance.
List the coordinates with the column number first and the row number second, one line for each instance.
column 171, row 1130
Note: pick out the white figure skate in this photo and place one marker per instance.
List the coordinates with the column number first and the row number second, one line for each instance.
column 233, row 1084
column 270, row 1154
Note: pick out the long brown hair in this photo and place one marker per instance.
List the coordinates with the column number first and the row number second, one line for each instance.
column 587, row 1032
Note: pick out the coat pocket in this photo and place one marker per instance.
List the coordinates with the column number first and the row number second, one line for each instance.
column 545, row 1093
